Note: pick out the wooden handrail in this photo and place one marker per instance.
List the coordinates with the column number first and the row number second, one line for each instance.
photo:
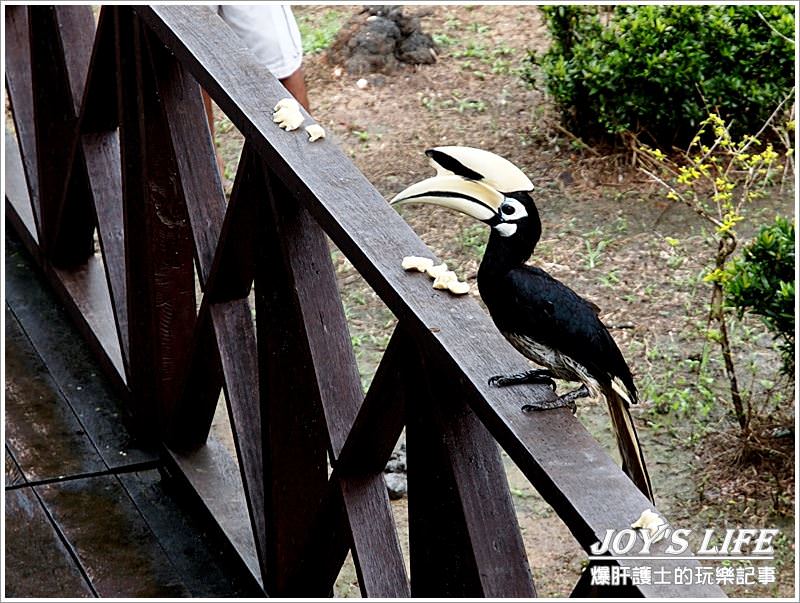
column 293, row 390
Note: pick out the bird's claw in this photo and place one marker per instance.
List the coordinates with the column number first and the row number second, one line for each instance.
column 534, row 377
column 498, row 380
column 557, row 403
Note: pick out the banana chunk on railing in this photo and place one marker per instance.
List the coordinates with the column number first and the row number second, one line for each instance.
column 443, row 278
column 442, row 281
column 315, row 132
column 436, row 271
column 650, row 522
column 287, row 114
column 412, row 262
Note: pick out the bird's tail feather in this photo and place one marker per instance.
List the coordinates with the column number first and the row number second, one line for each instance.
column 628, row 441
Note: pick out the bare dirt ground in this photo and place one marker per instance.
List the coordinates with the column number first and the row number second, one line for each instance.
column 605, row 235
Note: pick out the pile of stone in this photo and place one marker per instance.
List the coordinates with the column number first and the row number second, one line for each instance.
column 379, row 38
column 395, row 473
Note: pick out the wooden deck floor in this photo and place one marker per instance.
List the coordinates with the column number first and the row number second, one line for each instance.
column 90, row 510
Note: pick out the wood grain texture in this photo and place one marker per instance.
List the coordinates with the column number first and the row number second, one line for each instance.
column 14, row 475
column 577, row 477
column 102, row 154
column 475, row 468
column 99, row 104
column 376, row 547
column 158, row 241
column 90, row 395
column 233, row 268
column 205, row 568
column 18, row 202
column 60, row 44
column 31, row 542
column 84, row 291
column 292, row 422
column 356, row 502
column 464, row 536
column 363, row 524
column 442, row 562
column 77, row 28
column 224, row 354
column 195, row 158
column 96, row 515
column 235, row 339
column 300, row 417
column 325, row 335
column 99, row 141
column 20, row 96
column 201, row 378
column 307, row 262
column 214, row 477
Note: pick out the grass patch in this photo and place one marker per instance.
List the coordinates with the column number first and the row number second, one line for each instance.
column 319, row 31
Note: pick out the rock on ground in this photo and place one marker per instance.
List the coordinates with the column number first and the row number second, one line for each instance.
column 379, row 38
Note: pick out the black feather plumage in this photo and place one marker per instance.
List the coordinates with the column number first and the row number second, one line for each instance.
column 551, row 324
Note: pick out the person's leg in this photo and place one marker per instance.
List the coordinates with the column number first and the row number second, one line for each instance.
column 209, row 112
column 296, row 85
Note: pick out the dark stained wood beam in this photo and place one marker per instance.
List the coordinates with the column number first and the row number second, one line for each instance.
column 158, row 238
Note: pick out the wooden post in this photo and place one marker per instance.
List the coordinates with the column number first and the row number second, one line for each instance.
column 60, row 46
column 158, row 242
column 464, row 537
column 292, row 422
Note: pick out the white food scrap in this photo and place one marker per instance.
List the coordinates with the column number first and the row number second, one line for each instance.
column 435, row 271
column 287, row 114
column 444, row 279
column 457, row 287
column 287, row 102
column 412, row 262
column 651, row 522
column 315, row 132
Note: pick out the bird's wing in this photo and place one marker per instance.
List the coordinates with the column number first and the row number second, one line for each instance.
column 554, row 315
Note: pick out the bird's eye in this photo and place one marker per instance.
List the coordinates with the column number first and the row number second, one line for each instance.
column 511, row 209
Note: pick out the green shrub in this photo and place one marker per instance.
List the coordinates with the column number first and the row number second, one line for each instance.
column 761, row 281
column 659, row 70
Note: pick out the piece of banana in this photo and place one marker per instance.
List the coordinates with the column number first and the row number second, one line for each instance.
column 456, row 287
column 412, row 262
column 287, row 114
column 443, row 278
column 315, row 132
column 651, row 522
column 435, row 271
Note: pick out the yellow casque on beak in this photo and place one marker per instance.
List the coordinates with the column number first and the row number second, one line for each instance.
column 454, row 192
column 479, row 165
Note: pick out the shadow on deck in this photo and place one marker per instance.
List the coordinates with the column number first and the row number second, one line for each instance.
column 90, row 511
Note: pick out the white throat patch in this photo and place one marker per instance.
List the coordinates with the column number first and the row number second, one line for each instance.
column 505, row 229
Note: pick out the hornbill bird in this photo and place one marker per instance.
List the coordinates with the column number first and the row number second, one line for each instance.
column 542, row 318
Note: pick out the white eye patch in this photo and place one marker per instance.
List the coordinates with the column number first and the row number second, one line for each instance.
column 505, row 229
column 511, row 209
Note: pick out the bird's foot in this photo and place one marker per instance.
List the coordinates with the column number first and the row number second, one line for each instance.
column 538, row 376
column 565, row 401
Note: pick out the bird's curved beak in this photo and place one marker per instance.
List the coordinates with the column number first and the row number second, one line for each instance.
column 454, row 192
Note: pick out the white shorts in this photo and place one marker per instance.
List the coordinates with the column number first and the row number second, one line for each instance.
column 270, row 31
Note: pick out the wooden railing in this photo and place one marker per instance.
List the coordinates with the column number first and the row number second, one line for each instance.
column 111, row 139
